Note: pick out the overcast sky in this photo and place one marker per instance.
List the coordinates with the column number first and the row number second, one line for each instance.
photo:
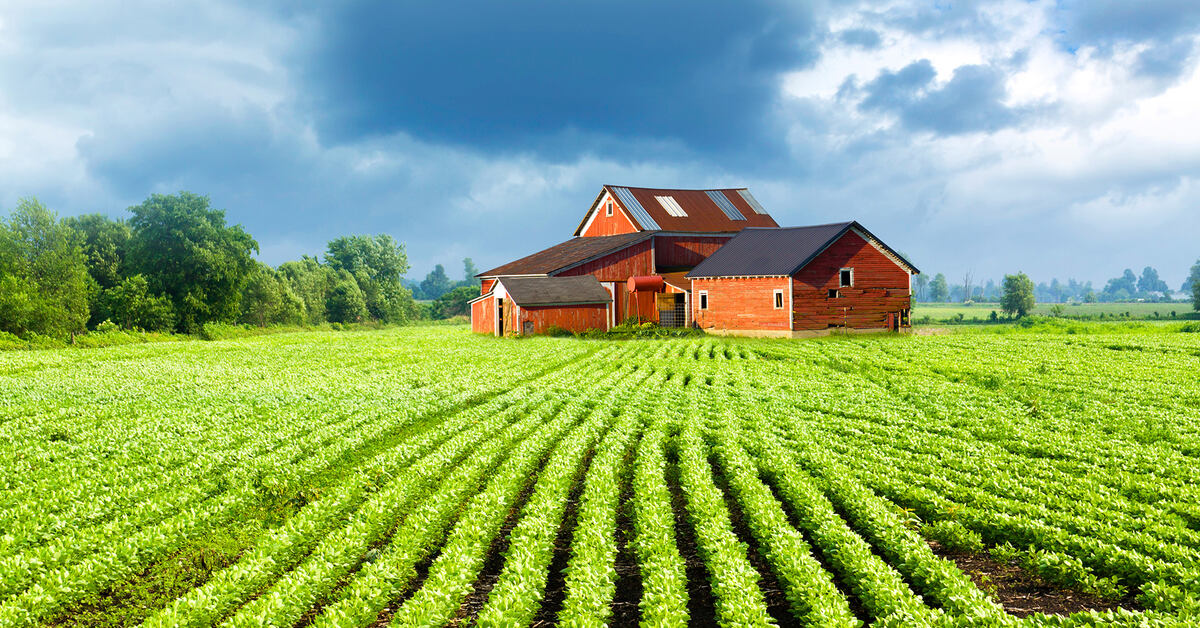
column 1062, row 139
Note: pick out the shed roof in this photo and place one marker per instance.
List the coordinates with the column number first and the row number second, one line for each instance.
column 577, row 290
column 780, row 252
column 569, row 253
column 726, row 210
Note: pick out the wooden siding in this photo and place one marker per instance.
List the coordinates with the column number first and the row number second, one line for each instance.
column 740, row 303
column 881, row 288
column 571, row 317
column 685, row 251
column 617, row 266
column 483, row 316
column 486, row 286
column 615, row 224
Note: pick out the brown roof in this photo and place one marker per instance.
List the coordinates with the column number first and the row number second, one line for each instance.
column 533, row 291
column 569, row 253
column 678, row 279
column 704, row 215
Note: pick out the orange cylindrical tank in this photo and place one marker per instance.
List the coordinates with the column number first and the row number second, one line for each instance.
column 646, row 283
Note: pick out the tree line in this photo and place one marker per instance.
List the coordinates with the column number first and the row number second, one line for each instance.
column 175, row 265
column 1127, row 287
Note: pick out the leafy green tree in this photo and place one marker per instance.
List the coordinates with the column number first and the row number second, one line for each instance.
column 453, row 303
column 1018, row 295
column 938, row 290
column 1150, row 282
column 44, row 283
column 130, row 305
column 377, row 263
column 469, row 272
column 104, row 245
column 1121, row 288
column 1193, row 279
column 1196, row 295
column 268, row 299
column 436, row 283
column 187, row 252
column 311, row 281
column 346, row 303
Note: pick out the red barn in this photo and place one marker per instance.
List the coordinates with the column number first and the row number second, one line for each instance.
column 648, row 250
column 801, row 281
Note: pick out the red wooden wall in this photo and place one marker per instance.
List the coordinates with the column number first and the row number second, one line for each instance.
column 483, row 316
column 881, row 287
column 677, row 251
column 572, row 317
column 740, row 303
column 486, row 286
column 618, row 266
column 616, row 224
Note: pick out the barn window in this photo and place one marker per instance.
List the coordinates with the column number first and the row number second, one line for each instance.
column 779, row 299
column 833, row 294
column 704, row 299
column 846, row 277
column 608, row 208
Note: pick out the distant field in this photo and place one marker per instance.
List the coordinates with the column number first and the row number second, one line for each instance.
column 946, row 312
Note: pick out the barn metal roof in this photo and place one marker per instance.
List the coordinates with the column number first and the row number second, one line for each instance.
column 534, row 291
column 706, row 211
column 779, row 252
column 569, row 253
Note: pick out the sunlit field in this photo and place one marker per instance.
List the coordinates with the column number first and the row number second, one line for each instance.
column 427, row 476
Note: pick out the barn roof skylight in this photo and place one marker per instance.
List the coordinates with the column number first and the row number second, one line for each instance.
column 672, row 206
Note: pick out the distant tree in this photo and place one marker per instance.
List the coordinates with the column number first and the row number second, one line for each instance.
column 469, row 272
column 1193, row 279
column 1150, row 282
column 966, row 286
column 131, row 305
column 1089, row 296
column 453, row 303
column 436, row 283
column 1018, row 295
column 187, row 252
column 921, row 286
column 1196, row 295
column 1123, row 287
column 1057, row 290
column 44, row 282
column 938, row 290
column 268, row 299
column 346, row 303
column 377, row 263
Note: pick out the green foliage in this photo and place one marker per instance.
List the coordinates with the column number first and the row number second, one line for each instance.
column 469, row 272
column 939, row 291
column 133, row 307
column 311, row 281
column 346, row 303
column 44, row 284
column 376, row 264
column 1018, row 295
column 268, row 299
column 436, row 283
column 453, row 303
column 187, row 252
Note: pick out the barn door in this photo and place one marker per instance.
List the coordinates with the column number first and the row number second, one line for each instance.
column 506, row 323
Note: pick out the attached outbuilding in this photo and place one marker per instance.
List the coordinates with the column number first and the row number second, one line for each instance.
column 802, row 281
column 533, row 305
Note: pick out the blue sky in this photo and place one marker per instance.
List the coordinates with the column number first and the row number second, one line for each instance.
column 1059, row 138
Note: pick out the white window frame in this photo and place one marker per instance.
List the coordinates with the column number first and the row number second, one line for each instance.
column 777, row 299
column 702, row 303
column 849, row 285
column 608, row 208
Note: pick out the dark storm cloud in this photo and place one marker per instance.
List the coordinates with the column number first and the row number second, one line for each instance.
column 513, row 76
column 972, row 100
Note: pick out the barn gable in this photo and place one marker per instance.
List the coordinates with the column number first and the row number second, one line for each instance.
column 664, row 209
column 783, row 252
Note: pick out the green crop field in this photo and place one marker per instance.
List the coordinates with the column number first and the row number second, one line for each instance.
column 980, row 312
column 426, row 476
